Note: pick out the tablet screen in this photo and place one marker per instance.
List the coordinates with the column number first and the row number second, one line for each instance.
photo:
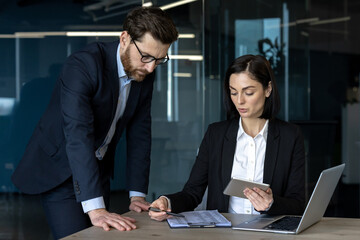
column 236, row 187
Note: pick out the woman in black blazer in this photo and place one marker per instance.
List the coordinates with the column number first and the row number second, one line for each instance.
column 251, row 144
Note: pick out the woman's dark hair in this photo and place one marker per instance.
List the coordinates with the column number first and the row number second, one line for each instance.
column 153, row 20
column 259, row 69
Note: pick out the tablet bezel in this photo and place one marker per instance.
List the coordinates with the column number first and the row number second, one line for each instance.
column 237, row 186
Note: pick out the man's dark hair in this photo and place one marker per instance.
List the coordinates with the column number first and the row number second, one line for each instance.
column 153, row 20
column 259, row 69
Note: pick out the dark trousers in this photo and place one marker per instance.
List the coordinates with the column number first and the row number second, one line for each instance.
column 64, row 214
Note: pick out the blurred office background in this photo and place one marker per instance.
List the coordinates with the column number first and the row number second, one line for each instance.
column 313, row 46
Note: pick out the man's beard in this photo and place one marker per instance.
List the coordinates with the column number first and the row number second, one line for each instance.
column 129, row 69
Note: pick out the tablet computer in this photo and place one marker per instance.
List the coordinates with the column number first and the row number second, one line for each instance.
column 237, row 186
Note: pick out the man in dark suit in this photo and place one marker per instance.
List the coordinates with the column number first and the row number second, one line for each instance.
column 102, row 90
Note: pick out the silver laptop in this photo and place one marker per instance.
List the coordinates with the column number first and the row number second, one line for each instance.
column 314, row 211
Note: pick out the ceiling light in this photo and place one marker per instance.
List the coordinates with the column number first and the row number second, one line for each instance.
column 187, row 57
column 175, row 4
column 178, row 74
column 7, row 36
column 187, row 35
column 93, row 34
column 74, row 34
column 307, row 20
column 333, row 20
column 148, row 4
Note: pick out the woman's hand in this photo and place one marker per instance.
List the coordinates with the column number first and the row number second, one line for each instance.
column 260, row 199
column 162, row 204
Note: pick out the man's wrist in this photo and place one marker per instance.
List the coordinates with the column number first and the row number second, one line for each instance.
column 136, row 194
column 136, row 198
column 92, row 204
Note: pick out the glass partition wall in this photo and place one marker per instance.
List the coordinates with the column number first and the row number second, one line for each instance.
column 178, row 102
column 35, row 43
column 34, row 60
column 313, row 48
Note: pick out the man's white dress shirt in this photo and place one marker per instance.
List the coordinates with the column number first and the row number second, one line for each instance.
column 125, row 85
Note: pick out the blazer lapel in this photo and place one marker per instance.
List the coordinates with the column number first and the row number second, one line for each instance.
column 229, row 151
column 111, row 71
column 272, row 146
column 132, row 99
column 129, row 108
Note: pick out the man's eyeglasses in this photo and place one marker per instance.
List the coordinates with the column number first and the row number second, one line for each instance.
column 149, row 58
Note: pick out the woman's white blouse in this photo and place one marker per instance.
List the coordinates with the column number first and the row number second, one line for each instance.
column 248, row 164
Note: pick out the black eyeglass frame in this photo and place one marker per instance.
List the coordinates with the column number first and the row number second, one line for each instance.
column 149, row 58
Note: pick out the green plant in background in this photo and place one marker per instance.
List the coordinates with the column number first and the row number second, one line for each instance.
column 273, row 53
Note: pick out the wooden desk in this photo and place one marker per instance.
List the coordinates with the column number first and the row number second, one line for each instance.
column 327, row 229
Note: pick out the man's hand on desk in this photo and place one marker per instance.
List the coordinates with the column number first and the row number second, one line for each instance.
column 138, row 204
column 102, row 218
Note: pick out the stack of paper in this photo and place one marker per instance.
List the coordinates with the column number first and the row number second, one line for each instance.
column 206, row 218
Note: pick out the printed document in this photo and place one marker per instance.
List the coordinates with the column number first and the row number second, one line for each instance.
column 205, row 218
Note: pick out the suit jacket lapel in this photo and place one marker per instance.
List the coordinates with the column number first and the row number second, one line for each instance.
column 272, row 146
column 228, row 152
column 132, row 99
column 129, row 108
column 111, row 70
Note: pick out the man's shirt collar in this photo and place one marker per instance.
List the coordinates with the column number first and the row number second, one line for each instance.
column 121, row 72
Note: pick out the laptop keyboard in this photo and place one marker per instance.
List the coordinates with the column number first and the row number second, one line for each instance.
column 288, row 223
